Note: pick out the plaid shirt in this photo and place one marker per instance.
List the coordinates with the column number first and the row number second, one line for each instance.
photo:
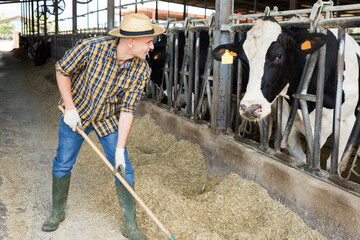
column 101, row 88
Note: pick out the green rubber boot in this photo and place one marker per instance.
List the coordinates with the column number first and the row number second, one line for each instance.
column 60, row 189
column 127, row 203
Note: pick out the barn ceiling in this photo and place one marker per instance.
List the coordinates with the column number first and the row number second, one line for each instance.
column 246, row 6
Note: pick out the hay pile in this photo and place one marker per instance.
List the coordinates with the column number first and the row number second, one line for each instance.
column 172, row 179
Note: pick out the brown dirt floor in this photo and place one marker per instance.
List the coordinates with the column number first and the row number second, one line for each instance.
column 171, row 177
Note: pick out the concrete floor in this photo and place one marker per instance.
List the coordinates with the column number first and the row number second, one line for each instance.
column 28, row 135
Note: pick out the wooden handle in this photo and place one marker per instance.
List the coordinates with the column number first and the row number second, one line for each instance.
column 122, row 180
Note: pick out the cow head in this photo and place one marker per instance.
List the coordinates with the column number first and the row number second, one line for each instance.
column 156, row 59
column 275, row 58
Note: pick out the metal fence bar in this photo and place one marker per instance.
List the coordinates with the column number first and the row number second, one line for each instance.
column 190, row 78
column 278, row 135
column 343, row 22
column 196, row 72
column 222, row 91
column 338, row 100
column 319, row 106
column 238, row 97
column 297, row 12
column 170, row 54
column 176, row 68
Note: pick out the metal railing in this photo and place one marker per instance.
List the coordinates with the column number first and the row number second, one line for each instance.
column 301, row 18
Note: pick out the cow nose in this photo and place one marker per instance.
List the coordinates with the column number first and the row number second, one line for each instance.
column 252, row 112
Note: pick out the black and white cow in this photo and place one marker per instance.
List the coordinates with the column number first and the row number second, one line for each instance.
column 275, row 56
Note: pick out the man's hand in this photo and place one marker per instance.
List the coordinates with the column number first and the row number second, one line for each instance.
column 120, row 161
column 72, row 119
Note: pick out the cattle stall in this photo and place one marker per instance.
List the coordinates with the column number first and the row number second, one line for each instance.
column 239, row 128
column 191, row 89
column 191, row 86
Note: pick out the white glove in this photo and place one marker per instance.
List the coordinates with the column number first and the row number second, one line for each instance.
column 120, row 161
column 72, row 119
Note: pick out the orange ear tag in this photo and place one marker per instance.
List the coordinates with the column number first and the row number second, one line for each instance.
column 227, row 58
column 233, row 53
column 306, row 45
column 156, row 56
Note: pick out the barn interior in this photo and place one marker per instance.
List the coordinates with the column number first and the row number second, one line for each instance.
column 240, row 183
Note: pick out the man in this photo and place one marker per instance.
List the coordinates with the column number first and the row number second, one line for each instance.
column 100, row 81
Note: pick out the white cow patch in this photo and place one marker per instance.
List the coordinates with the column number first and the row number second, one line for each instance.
column 256, row 45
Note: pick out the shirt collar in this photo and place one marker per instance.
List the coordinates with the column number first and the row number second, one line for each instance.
column 129, row 63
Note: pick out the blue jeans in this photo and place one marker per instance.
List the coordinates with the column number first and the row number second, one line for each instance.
column 69, row 147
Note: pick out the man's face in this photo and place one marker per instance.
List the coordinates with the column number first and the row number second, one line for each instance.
column 141, row 46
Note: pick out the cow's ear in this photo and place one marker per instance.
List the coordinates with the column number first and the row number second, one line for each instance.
column 312, row 42
column 233, row 48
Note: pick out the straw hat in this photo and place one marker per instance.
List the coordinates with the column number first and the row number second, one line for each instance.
column 136, row 25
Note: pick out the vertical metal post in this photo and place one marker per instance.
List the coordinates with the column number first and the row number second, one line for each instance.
column 22, row 18
column 74, row 16
column 120, row 12
column 238, row 96
column 319, row 106
column 184, row 14
column 196, row 72
column 293, row 4
column 135, row 6
column 87, row 16
column 176, row 64
column 37, row 18
column 45, row 21
column 29, row 17
column 171, row 68
column 264, row 133
column 255, row 5
column 97, row 14
column 221, row 85
column 56, row 17
column 190, row 77
column 26, row 19
column 337, row 110
column 54, row 50
column 157, row 10
column 279, row 108
column 32, row 18
column 110, row 14
column 205, row 7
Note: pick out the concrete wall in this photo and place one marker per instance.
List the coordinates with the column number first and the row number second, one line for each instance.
column 333, row 211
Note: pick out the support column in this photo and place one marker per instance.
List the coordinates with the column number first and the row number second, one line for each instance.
column 32, row 18
column 293, row 4
column 29, row 18
column 110, row 14
column 157, row 11
column 184, row 13
column 22, row 17
column 37, row 18
column 222, row 77
column 74, row 16
column 56, row 5
column 26, row 19
column 45, row 21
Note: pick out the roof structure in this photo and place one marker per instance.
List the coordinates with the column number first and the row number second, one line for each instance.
column 246, row 6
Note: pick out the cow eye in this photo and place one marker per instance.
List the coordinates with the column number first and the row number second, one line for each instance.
column 278, row 57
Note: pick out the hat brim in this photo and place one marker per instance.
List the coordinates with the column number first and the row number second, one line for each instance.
column 157, row 31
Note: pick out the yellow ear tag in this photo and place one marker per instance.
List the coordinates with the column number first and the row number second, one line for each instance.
column 227, row 58
column 306, row 45
column 156, row 56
